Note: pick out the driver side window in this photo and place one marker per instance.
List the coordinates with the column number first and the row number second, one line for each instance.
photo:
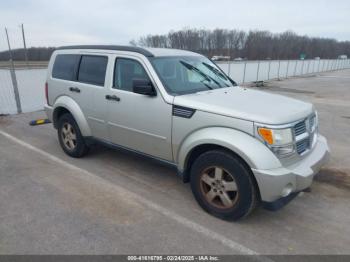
column 126, row 71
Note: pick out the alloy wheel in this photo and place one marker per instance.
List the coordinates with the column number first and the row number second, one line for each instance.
column 219, row 187
column 69, row 137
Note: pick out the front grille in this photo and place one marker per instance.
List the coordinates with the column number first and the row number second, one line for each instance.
column 300, row 128
column 303, row 145
column 307, row 128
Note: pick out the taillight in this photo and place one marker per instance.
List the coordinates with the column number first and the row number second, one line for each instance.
column 47, row 92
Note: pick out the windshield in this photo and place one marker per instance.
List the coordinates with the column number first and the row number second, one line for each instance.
column 189, row 74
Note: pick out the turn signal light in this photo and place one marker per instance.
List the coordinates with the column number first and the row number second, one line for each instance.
column 266, row 134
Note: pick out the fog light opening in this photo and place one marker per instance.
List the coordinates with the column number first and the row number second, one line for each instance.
column 287, row 190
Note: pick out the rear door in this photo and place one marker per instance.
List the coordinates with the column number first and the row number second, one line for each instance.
column 63, row 77
column 82, row 77
column 91, row 81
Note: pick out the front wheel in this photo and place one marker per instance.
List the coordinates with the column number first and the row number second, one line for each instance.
column 223, row 186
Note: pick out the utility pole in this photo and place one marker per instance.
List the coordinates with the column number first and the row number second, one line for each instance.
column 25, row 47
column 13, row 76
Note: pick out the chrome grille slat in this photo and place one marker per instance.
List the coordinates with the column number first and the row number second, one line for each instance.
column 302, row 146
column 300, row 128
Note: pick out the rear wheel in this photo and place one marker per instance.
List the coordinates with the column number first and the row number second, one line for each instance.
column 223, row 185
column 70, row 137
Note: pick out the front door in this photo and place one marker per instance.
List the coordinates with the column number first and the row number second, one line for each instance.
column 138, row 122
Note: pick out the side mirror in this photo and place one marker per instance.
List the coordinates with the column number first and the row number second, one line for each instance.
column 143, row 87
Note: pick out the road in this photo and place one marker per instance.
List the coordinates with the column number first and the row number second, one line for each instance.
column 114, row 202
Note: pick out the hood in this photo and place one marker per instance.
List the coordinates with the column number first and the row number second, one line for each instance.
column 247, row 104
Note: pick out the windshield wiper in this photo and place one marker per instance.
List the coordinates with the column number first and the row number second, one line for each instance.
column 206, row 77
column 215, row 71
column 219, row 73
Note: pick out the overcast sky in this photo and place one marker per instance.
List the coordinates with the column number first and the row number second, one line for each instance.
column 63, row 22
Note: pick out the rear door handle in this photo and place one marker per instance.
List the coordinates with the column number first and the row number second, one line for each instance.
column 74, row 89
column 113, row 97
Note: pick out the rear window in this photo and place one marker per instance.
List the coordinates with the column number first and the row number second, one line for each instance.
column 65, row 67
column 92, row 70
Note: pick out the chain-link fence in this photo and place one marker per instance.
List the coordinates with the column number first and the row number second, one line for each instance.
column 7, row 97
column 30, row 84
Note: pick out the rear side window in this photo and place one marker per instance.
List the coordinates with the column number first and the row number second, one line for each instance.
column 65, row 67
column 92, row 70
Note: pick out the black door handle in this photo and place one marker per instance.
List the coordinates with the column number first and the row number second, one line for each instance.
column 74, row 89
column 115, row 98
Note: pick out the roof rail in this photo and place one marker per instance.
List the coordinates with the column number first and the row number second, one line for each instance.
column 110, row 47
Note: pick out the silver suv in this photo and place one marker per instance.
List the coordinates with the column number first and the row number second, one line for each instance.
column 237, row 147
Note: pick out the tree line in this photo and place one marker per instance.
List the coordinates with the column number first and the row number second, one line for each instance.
column 250, row 45
column 34, row 54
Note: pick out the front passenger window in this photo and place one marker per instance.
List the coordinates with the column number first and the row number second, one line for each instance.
column 126, row 71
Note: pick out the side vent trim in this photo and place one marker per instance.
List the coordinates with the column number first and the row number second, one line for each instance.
column 184, row 112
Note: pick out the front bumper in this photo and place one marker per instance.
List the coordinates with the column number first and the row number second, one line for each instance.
column 278, row 184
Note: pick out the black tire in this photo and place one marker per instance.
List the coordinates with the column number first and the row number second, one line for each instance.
column 80, row 148
column 243, row 200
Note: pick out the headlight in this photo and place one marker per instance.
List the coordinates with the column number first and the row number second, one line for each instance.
column 276, row 137
column 280, row 141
